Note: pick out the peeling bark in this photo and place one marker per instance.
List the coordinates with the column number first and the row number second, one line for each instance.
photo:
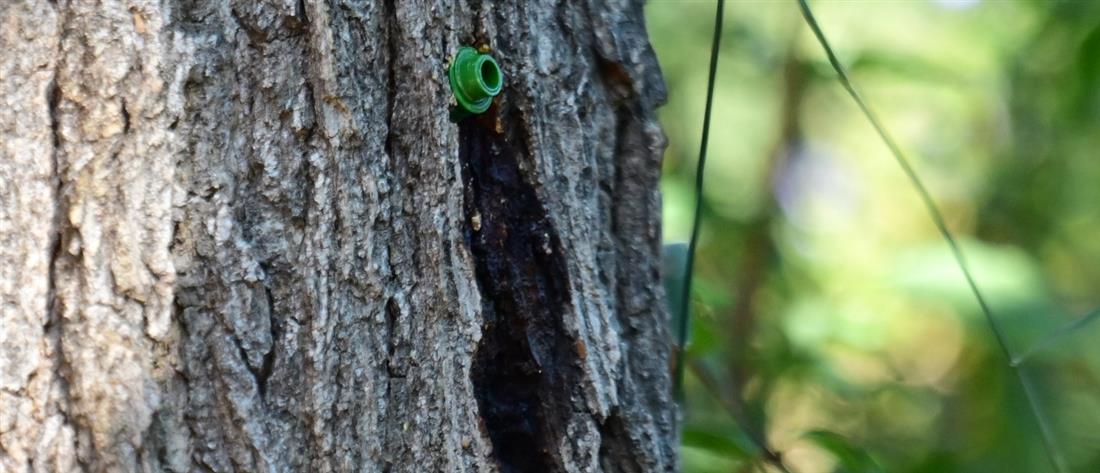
column 244, row 236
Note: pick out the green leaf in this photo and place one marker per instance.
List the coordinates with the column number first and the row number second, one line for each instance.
column 718, row 442
column 851, row 457
column 674, row 266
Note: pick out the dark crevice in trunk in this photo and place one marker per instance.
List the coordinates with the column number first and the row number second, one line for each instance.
column 55, row 320
column 298, row 22
column 53, row 101
column 389, row 15
column 275, row 326
column 125, row 118
column 389, row 18
column 394, row 441
column 615, row 454
column 395, row 355
column 526, row 367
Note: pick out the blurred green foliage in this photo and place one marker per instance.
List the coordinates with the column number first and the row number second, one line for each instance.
column 830, row 322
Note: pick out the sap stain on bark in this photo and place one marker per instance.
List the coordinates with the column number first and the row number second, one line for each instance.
column 526, row 364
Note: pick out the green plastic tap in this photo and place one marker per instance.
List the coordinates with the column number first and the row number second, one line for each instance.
column 475, row 79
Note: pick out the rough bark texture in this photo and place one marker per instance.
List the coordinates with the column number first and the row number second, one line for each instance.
column 244, row 236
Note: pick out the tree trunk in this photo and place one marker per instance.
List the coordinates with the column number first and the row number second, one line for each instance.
column 246, row 237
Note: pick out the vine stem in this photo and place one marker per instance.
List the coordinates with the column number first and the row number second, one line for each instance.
column 685, row 301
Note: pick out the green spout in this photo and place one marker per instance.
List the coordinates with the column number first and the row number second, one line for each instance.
column 475, row 79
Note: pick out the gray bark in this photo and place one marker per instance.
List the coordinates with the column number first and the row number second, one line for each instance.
column 244, row 236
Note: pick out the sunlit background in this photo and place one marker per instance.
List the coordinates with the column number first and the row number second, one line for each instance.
column 830, row 320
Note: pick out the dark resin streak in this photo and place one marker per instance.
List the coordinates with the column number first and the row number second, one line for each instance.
column 525, row 368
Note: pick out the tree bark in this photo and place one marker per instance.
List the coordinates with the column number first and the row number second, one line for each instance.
column 244, row 236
